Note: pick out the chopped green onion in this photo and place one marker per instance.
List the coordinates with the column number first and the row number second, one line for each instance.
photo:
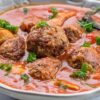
column 25, row 77
column 41, row 24
column 54, row 13
column 98, row 40
column 8, row 26
column 31, row 57
column 86, row 44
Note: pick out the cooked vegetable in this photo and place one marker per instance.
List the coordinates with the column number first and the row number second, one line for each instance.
column 98, row 40
column 88, row 26
column 6, row 67
column 25, row 77
column 64, row 85
column 8, row 26
column 91, row 38
column 41, row 24
column 82, row 73
column 31, row 57
column 4, row 35
column 86, row 44
column 54, row 13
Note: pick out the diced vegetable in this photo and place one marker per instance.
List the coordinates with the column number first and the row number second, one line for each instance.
column 64, row 85
column 54, row 13
column 31, row 57
column 25, row 77
column 8, row 26
column 41, row 24
column 86, row 44
column 82, row 73
column 98, row 40
column 88, row 26
column 91, row 38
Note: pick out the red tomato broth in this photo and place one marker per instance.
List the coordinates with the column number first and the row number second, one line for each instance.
column 16, row 17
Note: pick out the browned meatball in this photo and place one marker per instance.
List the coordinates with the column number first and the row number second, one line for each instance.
column 13, row 48
column 44, row 68
column 47, row 41
column 84, row 55
column 73, row 33
column 5, row 60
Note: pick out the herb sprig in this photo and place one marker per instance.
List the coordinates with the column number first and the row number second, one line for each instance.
column 54, row 13
column 31, row 57
column 82, row 73
column 8, row 26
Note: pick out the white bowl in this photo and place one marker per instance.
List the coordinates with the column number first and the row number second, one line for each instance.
column 32, row 95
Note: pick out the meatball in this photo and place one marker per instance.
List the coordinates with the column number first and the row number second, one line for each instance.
column 47, row 41
column 84, row 55
column 13, row 48
column 5, row 60
column 73, row 33
column 44, row 68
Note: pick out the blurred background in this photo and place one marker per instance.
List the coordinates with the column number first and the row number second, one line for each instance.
column 86, row 3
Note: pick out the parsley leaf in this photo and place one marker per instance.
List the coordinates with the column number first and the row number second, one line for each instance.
column 86, row 44
column 88, row 26
column 54, row 13
column 25, row 77
column 82, row 73
column 98, row 40
column 6, row 67
column 25, row 10
column 8, row 26
column 31, row 57
column 41, row 24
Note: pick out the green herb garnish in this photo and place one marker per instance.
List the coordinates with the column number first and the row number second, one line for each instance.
column 41, row 24
column 6, row 67
column 54, row 13
column 88, row 26
column 8, row 26
column 81, row 73
column 31, row 57
column 25, row 10
column 25, row 77
column 86, row 44
column 98, row 40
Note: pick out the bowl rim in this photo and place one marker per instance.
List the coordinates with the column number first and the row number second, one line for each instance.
column 11, row 89
column 29, row 92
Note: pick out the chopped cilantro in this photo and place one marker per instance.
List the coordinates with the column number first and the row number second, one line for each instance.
column 98, row 40
column 86, row 44
column 8, row 26
column 41, row 24
column 54, row 13
column 25, row 77
column 88, row 26
column 31, row 57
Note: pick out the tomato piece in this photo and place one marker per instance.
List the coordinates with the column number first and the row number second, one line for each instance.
column 91, row 37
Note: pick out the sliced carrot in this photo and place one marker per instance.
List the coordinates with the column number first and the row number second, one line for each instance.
column 67, row 84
